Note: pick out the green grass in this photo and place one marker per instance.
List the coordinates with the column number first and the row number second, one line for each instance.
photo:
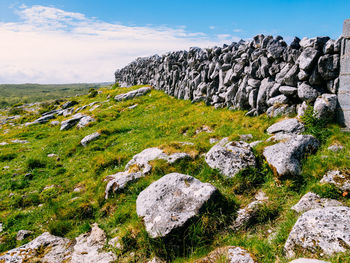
column 44, row 200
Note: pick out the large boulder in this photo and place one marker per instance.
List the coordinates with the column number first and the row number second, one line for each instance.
column 44, row 248
column 308, row 59
column 230, row 157
column 292, row 126
column 312, row 201
column 170, row 202
column 307, row 93
column 231, row 254
column 325, row 106
column 325, row 230
column 67, row 124
column 328, row 66
column 132, row 94
column 285, row 157
column 84, row 121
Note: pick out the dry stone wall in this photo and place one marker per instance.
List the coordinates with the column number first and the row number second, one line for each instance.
column 262, row 75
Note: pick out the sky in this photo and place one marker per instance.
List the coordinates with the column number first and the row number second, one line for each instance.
column 80, row 41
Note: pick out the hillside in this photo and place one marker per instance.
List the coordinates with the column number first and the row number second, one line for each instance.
column 11, row 94
column 50, row 182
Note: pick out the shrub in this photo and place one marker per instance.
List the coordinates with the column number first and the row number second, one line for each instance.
column 327, row 191
column 7, row 157
column 92, row 93
column 33, row 163
column 314, row 125
column 60, row 228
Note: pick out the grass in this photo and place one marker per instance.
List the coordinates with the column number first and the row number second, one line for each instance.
column 37, row 192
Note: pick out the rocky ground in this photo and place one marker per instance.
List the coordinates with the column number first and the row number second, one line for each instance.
column 133, row 175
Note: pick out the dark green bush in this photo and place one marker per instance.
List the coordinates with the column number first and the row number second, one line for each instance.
column 92, row 93
column 7, row 157
column 327, row 191
column 33, row 163
column 60, row 228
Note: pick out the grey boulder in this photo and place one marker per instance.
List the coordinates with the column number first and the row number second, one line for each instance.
column 132, row 94
column 67, row 124
column 84, row 121
column 285, row 157
column 308, row 260
column 230, row 157
column 286, row 126
column 325, row 106
column 167, row 204
column 328, row 66
column 307, row 93
column 89, row 138
column 326, row 230
column 308, row 58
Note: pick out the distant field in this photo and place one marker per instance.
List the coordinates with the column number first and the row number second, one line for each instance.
column 11, row 94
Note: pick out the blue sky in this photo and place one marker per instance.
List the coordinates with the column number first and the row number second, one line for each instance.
column 85, row 41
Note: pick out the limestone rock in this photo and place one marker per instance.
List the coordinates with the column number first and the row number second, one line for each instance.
column 328, row 66
column 292, row 126
column 285, row 156
column 89, row 138
column 132, row 94
column 67, row 124
column 44, row 248
column 44, row 119
column 308, row 58
column 84, row 121
column 170, row 202
column 326, row 230
column 88, row 248
column 340, row 179
column 307, row 93
column 230, row 157
column 325, row 106
column 230, row 254
column 68, row 104
column 312, row 201
column 335, row 147
column 22, row 234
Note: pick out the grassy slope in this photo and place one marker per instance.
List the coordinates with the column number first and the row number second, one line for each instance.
column 27, row 93
column 158, row 120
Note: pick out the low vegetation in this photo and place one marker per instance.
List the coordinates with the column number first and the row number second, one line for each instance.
column 64, row 194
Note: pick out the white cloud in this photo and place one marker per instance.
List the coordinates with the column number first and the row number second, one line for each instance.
column 51, row 45
column 212, row 27
column 237, row 30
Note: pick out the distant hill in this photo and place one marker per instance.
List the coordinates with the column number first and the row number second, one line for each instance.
column 11, row 94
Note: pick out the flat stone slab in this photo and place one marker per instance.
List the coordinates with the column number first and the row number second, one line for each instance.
column 286, row 126
column 132, row 94
column 312, row 201
column 325, row 230
column 89, row 138
column 230, row 157
column 167, row 204
column 308, row 260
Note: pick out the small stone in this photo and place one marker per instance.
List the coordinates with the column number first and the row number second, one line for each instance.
column 132, row 94
column 22, row 234
column 312, row 201
column 230, row 254
column 340, row 179
column 89, row 138
column 335, row 148
column 325, row 106
column 289, row 126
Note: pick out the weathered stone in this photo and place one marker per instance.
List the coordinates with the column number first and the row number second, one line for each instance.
column 307, row 260
column 307, row 93
column 280, row 99
column 22, row 234
column 291, row 78
column 285, row 157
column 89, row 138
column 89, row 247
column 328, row 66
column 44, row 248
column 325, row 106
column 264, row 89
column 307, row 59
column 68, row 104
column 335, row 148
column 230, row 254
column 288, row 90
column 281, row 110
column 230, row 157
column 286, row 126
column 340, row 179
column 325, row 230
column 84, row 121
column 55, row 123
column 67, row 124
column 45, row 118
column 312, row 201
column 132, row 94
column 170, row 202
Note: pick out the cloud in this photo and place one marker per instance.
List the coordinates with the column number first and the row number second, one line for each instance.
column 211, row 27
column 237, row 30
column 50, row 45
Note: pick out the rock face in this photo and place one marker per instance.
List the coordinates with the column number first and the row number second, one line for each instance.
column 138, row 167
column 230, row 254
column 249, row 75
column 88, row 248
column 284, row 157
column 325, row 230
column 230, row 157
column 170, row 202
column 89, row 138
column 44, row 248
column 286, row 126
column 132, row 94
column 340, row 179
column 312, row 201
column 84, row 121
